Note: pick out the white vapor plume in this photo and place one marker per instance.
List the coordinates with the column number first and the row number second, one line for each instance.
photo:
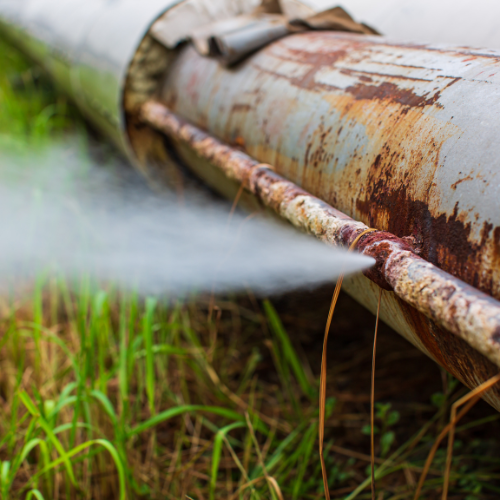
column 64, row 212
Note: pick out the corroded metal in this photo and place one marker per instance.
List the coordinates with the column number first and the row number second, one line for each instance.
column 460, row 308
column 399, row 136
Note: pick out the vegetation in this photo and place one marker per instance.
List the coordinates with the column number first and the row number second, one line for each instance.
column 110, row 395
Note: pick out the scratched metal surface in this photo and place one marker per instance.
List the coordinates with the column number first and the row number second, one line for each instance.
column 399, row 136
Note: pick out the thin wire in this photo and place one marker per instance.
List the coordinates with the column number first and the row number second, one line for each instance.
column 372, row 398
column 322, row 384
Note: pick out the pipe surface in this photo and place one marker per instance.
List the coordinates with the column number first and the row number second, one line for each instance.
column 401, row 137
column 398, row 136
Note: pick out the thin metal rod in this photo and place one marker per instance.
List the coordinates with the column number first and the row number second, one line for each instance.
column 454, row 305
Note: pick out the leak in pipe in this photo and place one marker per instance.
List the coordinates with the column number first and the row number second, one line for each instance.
column 458, row 307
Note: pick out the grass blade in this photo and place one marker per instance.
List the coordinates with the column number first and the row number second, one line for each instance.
column 30, row 406
column 5, row 478
column 122, row 362
column 106, row 405
column 217, row 451
column 181, row 410
column 34, row 493
column 147, row 332
column 28, row 447
column 307, row 446
column 288, row 350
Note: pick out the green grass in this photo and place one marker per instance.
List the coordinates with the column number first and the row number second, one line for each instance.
column 109, row 395
column 32, row 110
column 124, row 390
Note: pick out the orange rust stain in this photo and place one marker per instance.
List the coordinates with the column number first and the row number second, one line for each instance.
column 240, row 141
column 455, row 184
column 398, row 168
column 387, row 91
column 315, row 59
column 241, row 107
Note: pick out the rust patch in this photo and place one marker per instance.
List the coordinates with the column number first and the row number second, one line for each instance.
column 318, row 150
column 364, row 78
column 240, row 142
column 378, row 246
column 444, row 240
column 317, row 59
column 455, row 184
column 314, row 60
column 452, row 352
column 496, row 238
column 388, row 91
column 240, row 107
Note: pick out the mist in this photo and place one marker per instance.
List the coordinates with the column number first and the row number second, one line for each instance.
column 66, row 212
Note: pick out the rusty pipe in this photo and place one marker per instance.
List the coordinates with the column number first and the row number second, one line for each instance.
column 458, row 307
column 400, row 136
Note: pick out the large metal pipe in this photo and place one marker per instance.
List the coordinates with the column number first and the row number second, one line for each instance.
column 399, row 136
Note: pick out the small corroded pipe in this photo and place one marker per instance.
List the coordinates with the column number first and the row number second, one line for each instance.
column 460, row 308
